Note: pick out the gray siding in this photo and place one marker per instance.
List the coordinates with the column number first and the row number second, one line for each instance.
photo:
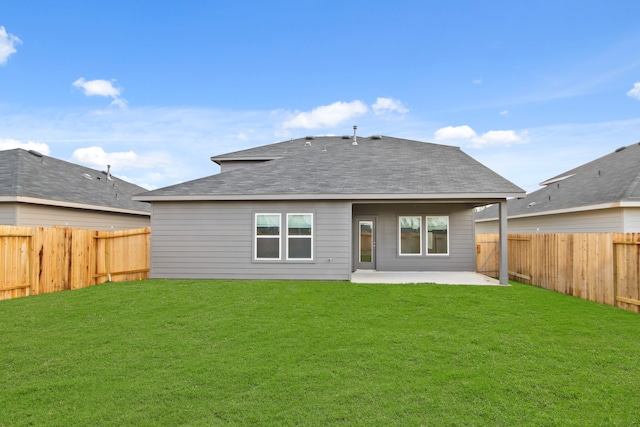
column 596, row 221
column 461, row 257
column 48, row 216
column 8, row 213
column 202, row 240
column 487, row 227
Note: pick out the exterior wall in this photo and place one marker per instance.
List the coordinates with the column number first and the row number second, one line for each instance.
column 202, row 240
column 8, row 213
column 631, row 220
column 461, row 257
column 49, row 216
column 596, row 221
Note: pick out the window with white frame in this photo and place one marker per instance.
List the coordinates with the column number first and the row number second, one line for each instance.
column 267, row 236
column 300, row 236
column 410, row 235
column 438, row 235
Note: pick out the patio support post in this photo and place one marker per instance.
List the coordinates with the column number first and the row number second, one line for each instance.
column 504, row 239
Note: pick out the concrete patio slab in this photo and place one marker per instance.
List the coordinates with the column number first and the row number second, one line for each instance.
column 435, row 277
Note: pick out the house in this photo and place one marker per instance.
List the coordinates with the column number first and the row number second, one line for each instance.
column 41, row 191
column 319, row 208
column 598, row 197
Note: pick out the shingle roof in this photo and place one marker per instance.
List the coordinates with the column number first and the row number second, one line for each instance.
column 333, row 166
column 28, row 174
column 608, row 179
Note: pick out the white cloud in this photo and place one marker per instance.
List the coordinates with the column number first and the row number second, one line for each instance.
column 98, row 87
column 504, row 113
column 120, row 102
column 491, row 138
column 454, row 133
column 388, row 105
column 477, row 81
column 95, row 157
column 8, row 144
column 635, row 92
column 504, row 138
column 104, row 88
column 326, row 115
column 8, row 43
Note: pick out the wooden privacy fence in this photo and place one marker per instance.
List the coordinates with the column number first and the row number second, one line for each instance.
column 37, row 260
column 600, row 267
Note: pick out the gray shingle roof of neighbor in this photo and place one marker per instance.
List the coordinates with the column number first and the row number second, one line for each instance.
column 29, row 174
column 332, row 166
column 612, row 178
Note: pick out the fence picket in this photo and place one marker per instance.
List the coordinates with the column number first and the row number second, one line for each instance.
column 41, row 260
column 600, row 267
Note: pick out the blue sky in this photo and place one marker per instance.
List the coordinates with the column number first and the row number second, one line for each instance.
column 155, row 88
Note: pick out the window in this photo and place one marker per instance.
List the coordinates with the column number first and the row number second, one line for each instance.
column 300, row 236
column 267, row 245
column 438, row 235
column 410, row 235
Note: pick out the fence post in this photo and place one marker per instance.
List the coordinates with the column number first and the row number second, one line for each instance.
column 504, row 239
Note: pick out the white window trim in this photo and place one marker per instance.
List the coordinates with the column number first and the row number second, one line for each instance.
column 426, row 223
column 256, row 237
column 311, row 237
column 400, row 235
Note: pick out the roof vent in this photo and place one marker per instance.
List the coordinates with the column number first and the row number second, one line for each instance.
column 346, row 137
column 310, row 138
column 531, row 204
column 620, row 149
column 307, row 143
column 355, row 137
column 86, row 175
column 35, row 153
column 376, row 136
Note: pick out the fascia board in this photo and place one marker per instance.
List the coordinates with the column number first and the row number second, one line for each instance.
column 218, row 159
column 612, row 205
column 58, row 203
column 347, row 196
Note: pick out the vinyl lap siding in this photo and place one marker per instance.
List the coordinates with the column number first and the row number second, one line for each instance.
column 203, row 240
column 595, row 221
column 631, row 220
column 461, row 257
column 49, row 216
column 8, row 213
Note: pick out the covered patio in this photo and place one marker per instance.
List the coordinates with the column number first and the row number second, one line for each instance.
column 433, row 277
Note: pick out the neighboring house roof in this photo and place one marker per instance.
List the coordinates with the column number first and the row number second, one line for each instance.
column 332, row 167
column 610, row 181
column 30, row 177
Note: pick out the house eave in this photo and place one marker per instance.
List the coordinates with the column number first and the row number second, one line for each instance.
column 58, row 203
column 612, row 205
column 451, row 197
column 219, row 159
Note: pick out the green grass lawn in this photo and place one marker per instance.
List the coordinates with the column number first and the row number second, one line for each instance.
column 168, row 352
